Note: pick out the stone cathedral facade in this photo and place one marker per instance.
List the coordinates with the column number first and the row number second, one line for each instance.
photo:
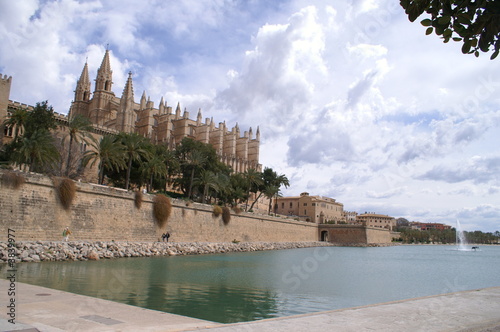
column 161, row 124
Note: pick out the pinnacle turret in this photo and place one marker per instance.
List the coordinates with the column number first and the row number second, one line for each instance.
column 82, row 92
column 104, row 78
column 128, row 90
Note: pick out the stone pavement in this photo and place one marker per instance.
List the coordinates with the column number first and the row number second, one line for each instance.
column 44, row 309
column 468, row 311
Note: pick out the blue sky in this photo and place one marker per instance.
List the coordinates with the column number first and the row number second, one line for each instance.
column 353, row 101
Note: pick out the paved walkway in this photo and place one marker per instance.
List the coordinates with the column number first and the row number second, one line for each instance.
column 44, row 309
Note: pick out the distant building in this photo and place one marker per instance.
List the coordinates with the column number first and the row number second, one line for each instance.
column 428, row 226
column 350, row 217
column 316, row 209
column 377, row 220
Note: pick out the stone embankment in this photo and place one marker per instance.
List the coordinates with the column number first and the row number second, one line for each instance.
column 81, row 251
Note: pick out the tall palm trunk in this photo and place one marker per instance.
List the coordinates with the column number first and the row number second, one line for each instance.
column 101, row 174
column 150, row 183
column 255, row 201
column 129, row 169
column 191, row 183
column 69, row 155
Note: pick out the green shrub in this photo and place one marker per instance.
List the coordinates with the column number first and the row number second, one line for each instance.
column 237, row 209
column 138, row 199
column 217, row 211
column 66, row 190
column 12, row 180
column 162, row 207
column 226, row 215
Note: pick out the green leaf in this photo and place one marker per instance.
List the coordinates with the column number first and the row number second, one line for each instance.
column 466, row 47
column 476, row 54
column 427, row 22
column 494, row 55
column 429, row 30
column 444, row 20
column 439, row 30
column 462, row 19
column 457, row 39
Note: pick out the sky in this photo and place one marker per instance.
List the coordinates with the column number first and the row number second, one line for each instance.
column 352, row 100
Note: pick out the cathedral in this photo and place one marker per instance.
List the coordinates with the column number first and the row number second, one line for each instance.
column 111, row 114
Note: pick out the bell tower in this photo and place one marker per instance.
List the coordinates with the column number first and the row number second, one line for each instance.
column 101, row 108
column 81, row 101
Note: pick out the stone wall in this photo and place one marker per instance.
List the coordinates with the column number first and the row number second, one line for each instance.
column 100, row 213
column 354, row 234
column 378, row 235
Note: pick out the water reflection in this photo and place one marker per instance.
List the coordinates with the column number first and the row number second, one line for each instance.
column 249, row 286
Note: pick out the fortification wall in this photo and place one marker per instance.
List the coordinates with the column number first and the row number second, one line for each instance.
column 100, row 213
column 344, row 234
column 354, row 234
column 378, row 235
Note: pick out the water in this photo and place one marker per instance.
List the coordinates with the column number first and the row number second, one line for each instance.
column 249, row 286
column 460, row 238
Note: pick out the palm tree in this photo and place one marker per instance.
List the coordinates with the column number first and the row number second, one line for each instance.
column 194, row 159
column 36, row 150
column 208, row 180
column 270, row 192
column 108, row 152
column 18, row 119
column 135, row 149
column 282, row 180
column 237, row 190
column 154, row 166
column 270, row 181
column 78, row 127
column 254, row 180
column 223, row 184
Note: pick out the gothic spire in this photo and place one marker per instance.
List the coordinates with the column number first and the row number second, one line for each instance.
column 178, row 111
column 105, row 64
column 82, row 92
column 104, row 78
column 199, row 117
column 161, row 107
column 128, row 90
column 126, row 117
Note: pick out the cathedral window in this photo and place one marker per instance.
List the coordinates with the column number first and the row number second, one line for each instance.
column 8, row 131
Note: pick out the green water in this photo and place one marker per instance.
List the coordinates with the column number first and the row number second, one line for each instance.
column 249, row 286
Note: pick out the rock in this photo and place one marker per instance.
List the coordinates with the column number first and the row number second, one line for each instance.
column 93, row 256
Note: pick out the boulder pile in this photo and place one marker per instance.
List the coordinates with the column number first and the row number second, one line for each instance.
column 40, row 251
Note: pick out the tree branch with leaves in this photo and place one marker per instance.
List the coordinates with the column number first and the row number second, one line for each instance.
column 475, row 23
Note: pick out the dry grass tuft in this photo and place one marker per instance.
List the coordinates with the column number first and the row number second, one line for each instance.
column 66, row 190
column 12, row 180
column 226, row 215
column 237, row 209
column 162, row 207
column 217, row 211
column 138, row 199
